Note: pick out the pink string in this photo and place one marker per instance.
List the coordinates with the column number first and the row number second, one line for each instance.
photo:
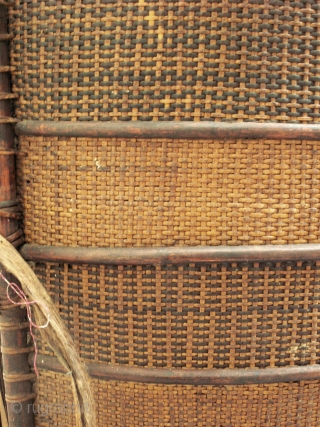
column 28, row 305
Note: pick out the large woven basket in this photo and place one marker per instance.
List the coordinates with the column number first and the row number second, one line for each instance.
column 132, row 61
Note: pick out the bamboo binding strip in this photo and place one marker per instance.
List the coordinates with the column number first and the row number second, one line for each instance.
column 174, row 130
column 170, row 255
column 188, row 376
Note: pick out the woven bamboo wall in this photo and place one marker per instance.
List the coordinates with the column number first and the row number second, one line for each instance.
column 229, row 315
column 112, row 192
column 166, row 60
column 239, row 315
column 181, row 60
column 139, row 405
column 102, row 60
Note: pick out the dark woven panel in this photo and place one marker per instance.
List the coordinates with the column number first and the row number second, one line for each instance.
column 108, row 192
column 167, row 60
column 192, row 316
column 139, row 405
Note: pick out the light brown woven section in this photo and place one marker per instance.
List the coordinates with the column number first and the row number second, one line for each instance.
column 239, row 315
column 166, row 60
column 108, row 192
column 139, row 405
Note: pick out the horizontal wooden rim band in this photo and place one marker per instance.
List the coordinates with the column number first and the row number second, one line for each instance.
column 20, row 398
column 169, row 129
column 5, row 68
column 8, row 36
column 9, row 350
column 11, row 152
column 7, row 153
column 6, row 95
column 18, row 242
column 10, row 215
column 11, row 209
column 14, row 327
column 187, row 376
column 14, row 236
column 8, row 306
column 171, row 255
column 5, row 304
column 11, row 378
column 8, row 203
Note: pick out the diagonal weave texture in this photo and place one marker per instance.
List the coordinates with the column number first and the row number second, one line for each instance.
column 137, row 405
column 166, row 60
column 239, row 315
column 108, row 192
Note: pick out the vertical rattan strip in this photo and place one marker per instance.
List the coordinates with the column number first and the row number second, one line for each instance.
column 16, row 374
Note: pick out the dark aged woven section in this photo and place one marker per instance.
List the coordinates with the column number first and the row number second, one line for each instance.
column 108, row 192
column 239, row 315
column 138, row 405
column 167, row 60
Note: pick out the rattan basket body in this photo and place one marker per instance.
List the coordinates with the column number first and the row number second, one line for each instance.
column 159, row 60
column 115, row 192
column 175, row 61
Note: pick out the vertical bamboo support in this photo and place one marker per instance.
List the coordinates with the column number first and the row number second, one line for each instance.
column 13, row 325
